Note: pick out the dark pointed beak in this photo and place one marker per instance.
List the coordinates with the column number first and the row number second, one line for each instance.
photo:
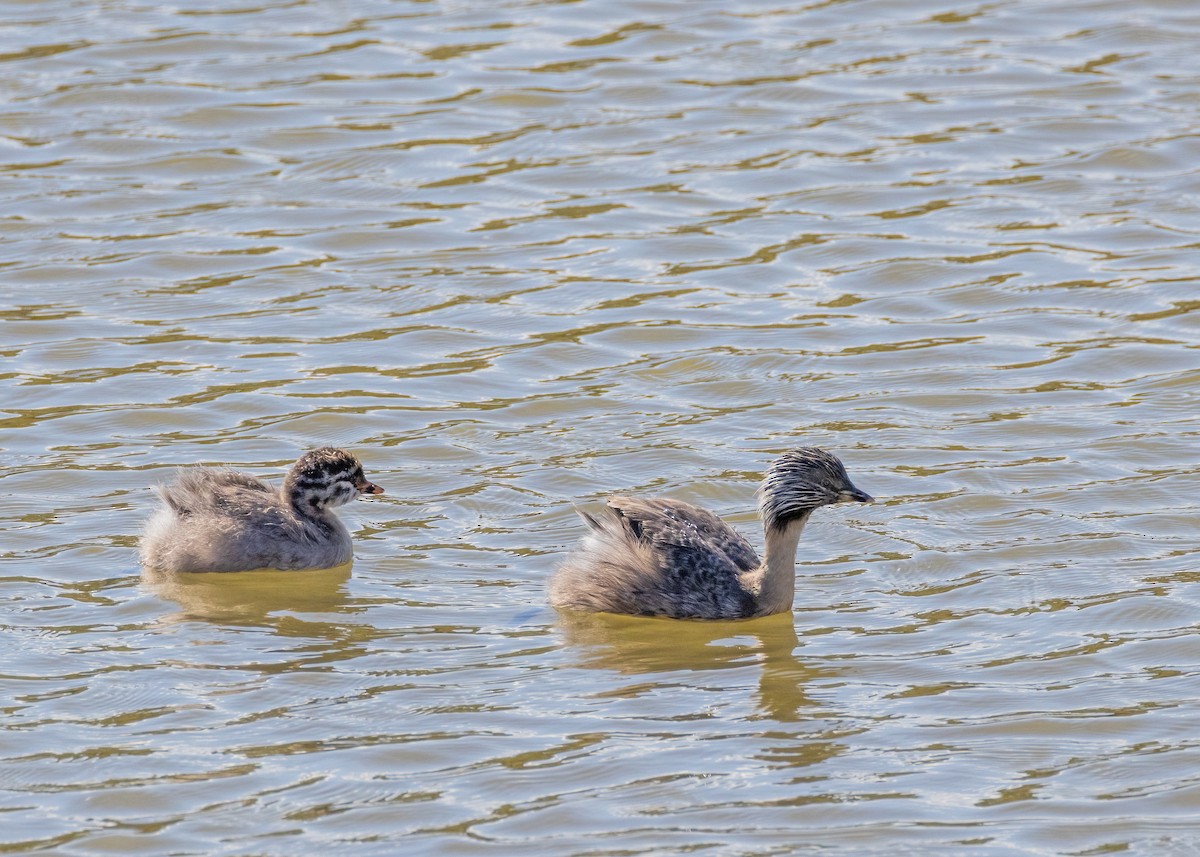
column 369, row 487
column 853, row 495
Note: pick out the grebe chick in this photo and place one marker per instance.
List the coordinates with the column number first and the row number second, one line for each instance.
column 660, row 557
column 215, row 519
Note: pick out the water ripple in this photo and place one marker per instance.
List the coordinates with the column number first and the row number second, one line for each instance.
column 521, row 257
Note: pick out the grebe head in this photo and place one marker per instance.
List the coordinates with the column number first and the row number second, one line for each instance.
column 324, row 478
column 799, row 481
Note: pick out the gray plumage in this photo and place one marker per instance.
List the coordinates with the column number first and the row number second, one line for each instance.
column 664, row 557
column 215, row 519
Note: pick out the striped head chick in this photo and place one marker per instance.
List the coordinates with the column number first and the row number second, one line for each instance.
column 325, row 478
column 801, row 480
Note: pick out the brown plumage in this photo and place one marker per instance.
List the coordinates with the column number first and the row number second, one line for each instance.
column 664, row 557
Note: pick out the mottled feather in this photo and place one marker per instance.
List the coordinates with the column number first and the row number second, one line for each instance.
column 658, row 557
column 664, row 557
column 215, row 519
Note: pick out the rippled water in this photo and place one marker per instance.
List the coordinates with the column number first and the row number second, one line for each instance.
column 523, row 254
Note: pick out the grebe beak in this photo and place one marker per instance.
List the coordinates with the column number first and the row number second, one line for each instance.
column 853, row 495
column 368, row 487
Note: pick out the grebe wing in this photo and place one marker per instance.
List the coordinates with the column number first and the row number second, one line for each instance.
column 685, row 536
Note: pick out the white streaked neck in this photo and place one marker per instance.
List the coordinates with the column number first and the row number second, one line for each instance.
column 777, row 577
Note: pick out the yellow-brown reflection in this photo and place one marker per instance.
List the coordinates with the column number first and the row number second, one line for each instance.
column 634, row 644
column 250, row 597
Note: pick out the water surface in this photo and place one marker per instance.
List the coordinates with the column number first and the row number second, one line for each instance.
column 521, row 255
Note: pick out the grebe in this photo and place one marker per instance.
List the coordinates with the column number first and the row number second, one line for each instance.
column 216, row 519
column 661, row 557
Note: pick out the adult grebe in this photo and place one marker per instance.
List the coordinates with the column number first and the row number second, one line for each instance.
column 662, row 557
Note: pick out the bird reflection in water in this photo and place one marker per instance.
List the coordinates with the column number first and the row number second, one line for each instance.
column 639, row 645
column 259, row 598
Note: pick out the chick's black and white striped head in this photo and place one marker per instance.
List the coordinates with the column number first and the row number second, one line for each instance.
column 326, row 477
column 799, row 481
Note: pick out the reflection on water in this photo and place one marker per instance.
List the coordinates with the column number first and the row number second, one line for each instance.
column 251, row 597
column 519, row 256
column 632, row 645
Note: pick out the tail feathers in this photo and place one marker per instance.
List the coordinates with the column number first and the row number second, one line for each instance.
column 610, row 571
column 613, row 520
column 174, row 500
column 591, row 520
column 198, row 489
